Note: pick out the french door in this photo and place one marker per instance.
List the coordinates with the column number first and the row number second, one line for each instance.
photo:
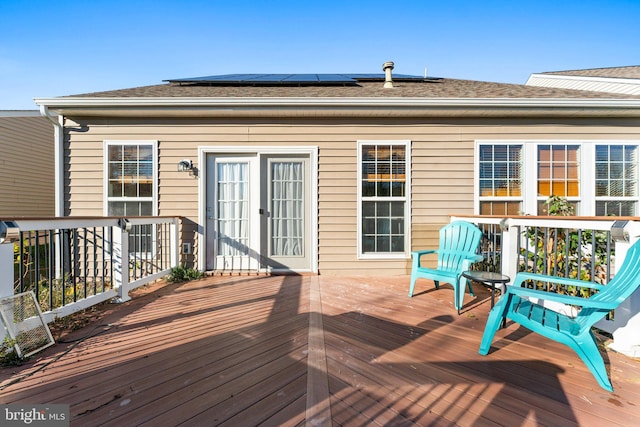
column 257, row 213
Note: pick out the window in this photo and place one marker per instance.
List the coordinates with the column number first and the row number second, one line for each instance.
column 383, row 189
column 616, row 185
column 130, row 173
column 558, row 174
column 500, row 179
column 130, row 185
column 596, row 178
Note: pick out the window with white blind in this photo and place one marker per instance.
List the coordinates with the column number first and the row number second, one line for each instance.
column 383, row 188
column 130, row 185
column 616, row 180
column 598, row 178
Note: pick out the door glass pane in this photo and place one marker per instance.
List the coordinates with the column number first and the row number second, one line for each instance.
column 232, row 209
column 287, row 208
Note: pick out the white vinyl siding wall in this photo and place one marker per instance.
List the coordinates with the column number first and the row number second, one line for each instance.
column 442, row 167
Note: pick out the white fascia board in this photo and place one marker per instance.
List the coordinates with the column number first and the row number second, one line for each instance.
column 62, row 103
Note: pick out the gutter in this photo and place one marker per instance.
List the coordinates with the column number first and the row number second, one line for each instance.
column 70, row 102
column 305, row 107
column 58, row 137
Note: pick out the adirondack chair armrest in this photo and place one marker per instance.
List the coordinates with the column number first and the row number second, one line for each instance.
column 424, row 252
column 561, row 298
column 416, row 255
column 523, row 276
column 471, row 260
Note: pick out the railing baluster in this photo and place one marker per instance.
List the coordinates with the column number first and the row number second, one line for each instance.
column 21, row 262
column 593, row 255
column 579, row 254
column 50, row 268
column 85, row 261
column 95, row 261
column 136, row 232
column 110, row 232
column 76, row 264
column 102, row 261
column 36, row 265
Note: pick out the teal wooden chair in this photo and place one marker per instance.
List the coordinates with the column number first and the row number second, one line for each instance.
column 575, row 332
column 458, row 248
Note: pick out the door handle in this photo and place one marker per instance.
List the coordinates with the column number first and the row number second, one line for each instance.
column 261, row 211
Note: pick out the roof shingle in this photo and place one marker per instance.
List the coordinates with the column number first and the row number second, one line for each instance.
column 630, row 72
column 429, row 88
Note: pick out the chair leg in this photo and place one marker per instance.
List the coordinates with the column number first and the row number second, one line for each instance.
column 585, row 346
column 493, row 323
column 470, row 287
column 412, row 284
column 459, row 294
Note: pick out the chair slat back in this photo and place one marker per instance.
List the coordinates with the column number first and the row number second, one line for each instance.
column 626, row 280
column 458, row 240
column 623, row 284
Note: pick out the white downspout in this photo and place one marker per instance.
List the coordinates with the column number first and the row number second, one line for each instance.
column 58, row 125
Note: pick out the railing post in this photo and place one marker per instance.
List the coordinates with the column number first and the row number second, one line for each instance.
column 509, row 258
column 6, row 269
column 626, row 322
column 174, row 231
column 121, row 263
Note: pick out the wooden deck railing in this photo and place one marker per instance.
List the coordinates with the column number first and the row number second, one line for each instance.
column 73, row 263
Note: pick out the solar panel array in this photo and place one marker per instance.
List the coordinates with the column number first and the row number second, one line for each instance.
column 292, row 79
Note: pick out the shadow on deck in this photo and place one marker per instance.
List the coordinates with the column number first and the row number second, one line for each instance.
column 316, row 350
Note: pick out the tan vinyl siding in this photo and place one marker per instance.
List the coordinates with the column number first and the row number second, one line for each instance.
column 26, row 167
column 442, row 168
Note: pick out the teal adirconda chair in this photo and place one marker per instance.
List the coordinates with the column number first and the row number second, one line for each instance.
column 459, row 241
column 574, row 332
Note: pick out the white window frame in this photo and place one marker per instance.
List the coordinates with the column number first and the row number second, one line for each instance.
column 635, row 199
column 153, row 199
column 407, row 201
column 478, row 198
column 586, row 201
column 107, row 199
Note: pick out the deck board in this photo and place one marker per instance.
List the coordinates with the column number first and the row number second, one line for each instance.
column 294, row 350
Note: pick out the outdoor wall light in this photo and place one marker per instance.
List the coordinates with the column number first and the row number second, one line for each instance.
column 185, row 165
column 9, row 232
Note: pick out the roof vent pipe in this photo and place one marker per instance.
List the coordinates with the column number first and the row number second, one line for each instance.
column 387, row 67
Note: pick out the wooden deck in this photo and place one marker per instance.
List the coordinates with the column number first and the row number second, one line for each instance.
column 315, row 350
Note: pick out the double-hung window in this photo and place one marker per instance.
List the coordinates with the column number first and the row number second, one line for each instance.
column 500, row 182
column 598, row 178
column 616, row 180
column 383, row 187
column 130, row 181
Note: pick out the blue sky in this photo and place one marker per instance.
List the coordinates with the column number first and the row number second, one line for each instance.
column 54, row 48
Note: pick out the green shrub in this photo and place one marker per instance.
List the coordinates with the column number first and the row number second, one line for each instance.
column 182, row 274
column 8, row 354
